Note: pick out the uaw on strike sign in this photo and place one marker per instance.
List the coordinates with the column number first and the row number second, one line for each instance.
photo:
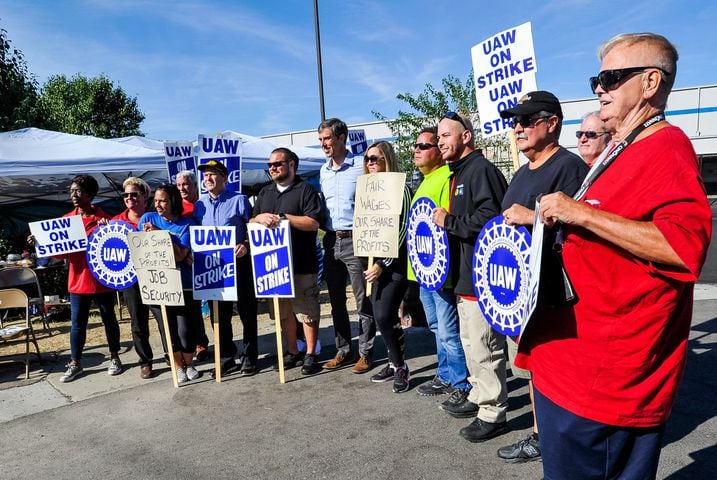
column 214, row 274
column 271, row 259
column 501, row 275
column 504, row 70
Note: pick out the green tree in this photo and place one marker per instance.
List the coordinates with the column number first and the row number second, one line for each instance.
column 428, row 107
column 18, row 88
column 89, row 106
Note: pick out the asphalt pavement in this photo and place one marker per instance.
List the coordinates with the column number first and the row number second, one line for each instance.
column 332, row 425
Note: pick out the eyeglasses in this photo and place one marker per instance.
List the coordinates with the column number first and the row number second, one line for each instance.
column 276, row 164
column 607, row 79
column 373, row 159
column 590, row 134
column 424, row 146
column 130, row 194
column 456, row 118
column 526, row 122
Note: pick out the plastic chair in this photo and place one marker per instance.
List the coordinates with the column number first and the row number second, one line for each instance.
column 26, row 280
column 16, row 298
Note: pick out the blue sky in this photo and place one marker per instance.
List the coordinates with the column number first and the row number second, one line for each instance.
column 250, row 66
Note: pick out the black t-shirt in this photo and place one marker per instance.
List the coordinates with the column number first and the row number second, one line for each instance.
column 562, row 172
column 299, row 199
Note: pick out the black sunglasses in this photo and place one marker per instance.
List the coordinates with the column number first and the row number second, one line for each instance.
column 526, row 122
column 130, row 194
column 609, row 78
column 589, row 133
column 424, row 146
column 456, row 118
column 276, row 164
column 373, row 158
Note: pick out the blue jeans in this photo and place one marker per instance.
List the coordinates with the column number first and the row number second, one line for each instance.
column 80, row 312
column 442, row 317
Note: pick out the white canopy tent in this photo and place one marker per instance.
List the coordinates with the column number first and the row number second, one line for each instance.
column 36, row 167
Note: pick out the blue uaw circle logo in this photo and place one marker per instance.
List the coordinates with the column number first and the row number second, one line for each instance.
column 108, row 255
column 427, row 246
column 500, row 274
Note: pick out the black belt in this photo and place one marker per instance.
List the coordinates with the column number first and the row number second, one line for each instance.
column 343, row 233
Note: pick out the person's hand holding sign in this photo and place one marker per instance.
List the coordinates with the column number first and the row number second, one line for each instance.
column 372, row 274
column 439, row 216
column 270, row 220
column 518, row 215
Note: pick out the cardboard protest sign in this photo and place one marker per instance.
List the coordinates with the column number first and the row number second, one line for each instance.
column 427, row 246
column 504, row 69
column 59, row 235
column 224, row 150
column 501, row 275
column 179, row 157
column 272, row 261
column 357, row 141
column 377, row 214
column 214, row 275
column 160, row 282
column 108, row 255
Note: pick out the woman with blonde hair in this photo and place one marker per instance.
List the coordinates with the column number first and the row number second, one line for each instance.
column 388, row 276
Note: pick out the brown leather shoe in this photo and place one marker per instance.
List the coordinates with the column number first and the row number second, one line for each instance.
column 338, row 361
column 363, row 365
column 145, row 371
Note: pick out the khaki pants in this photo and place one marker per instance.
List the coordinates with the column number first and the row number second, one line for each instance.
column 485, row 357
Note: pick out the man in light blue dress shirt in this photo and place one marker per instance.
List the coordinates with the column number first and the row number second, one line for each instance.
column 222, row 207
column 338, row 186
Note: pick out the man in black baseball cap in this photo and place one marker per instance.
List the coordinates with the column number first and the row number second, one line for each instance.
column 534, row 102
column 214, row 165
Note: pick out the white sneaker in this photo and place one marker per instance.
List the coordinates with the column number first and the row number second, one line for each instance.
column 182, row 376
column 192, row 373
column 72, row 372
column 115, row 367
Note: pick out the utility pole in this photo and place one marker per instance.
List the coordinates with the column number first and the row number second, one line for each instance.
column 318, row 59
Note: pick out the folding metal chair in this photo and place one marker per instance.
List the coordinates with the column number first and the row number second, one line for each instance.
column 16, row 298
column 26, row 280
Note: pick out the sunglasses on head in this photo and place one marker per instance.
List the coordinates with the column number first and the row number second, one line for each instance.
column 456, row 118
column 607, row 79
column 526, row 122
column 424, row 146
column 130, row 194
column 275, row 164
column 373, row 159
column 589, row 133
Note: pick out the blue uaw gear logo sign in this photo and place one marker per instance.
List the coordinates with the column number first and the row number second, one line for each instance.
column 108, row 255
column 427, row 246
column 500, row 274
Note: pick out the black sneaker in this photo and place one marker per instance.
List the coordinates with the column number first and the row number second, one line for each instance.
column 292, row 360
column 401, row 379
column 480, row 431
column 434, row 387
column 458, row 405
column 311, row 365
column 526, row 450
column 248, row 367
column 228, row 366
column 385, row 374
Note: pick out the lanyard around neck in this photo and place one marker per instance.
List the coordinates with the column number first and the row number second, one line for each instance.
column 616, row 151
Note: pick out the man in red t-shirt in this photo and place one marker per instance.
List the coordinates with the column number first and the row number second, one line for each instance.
column 606, row 369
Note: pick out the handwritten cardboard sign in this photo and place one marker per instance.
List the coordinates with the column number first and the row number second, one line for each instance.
column 57, row 236
column 377, row 214
column 160, row 282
